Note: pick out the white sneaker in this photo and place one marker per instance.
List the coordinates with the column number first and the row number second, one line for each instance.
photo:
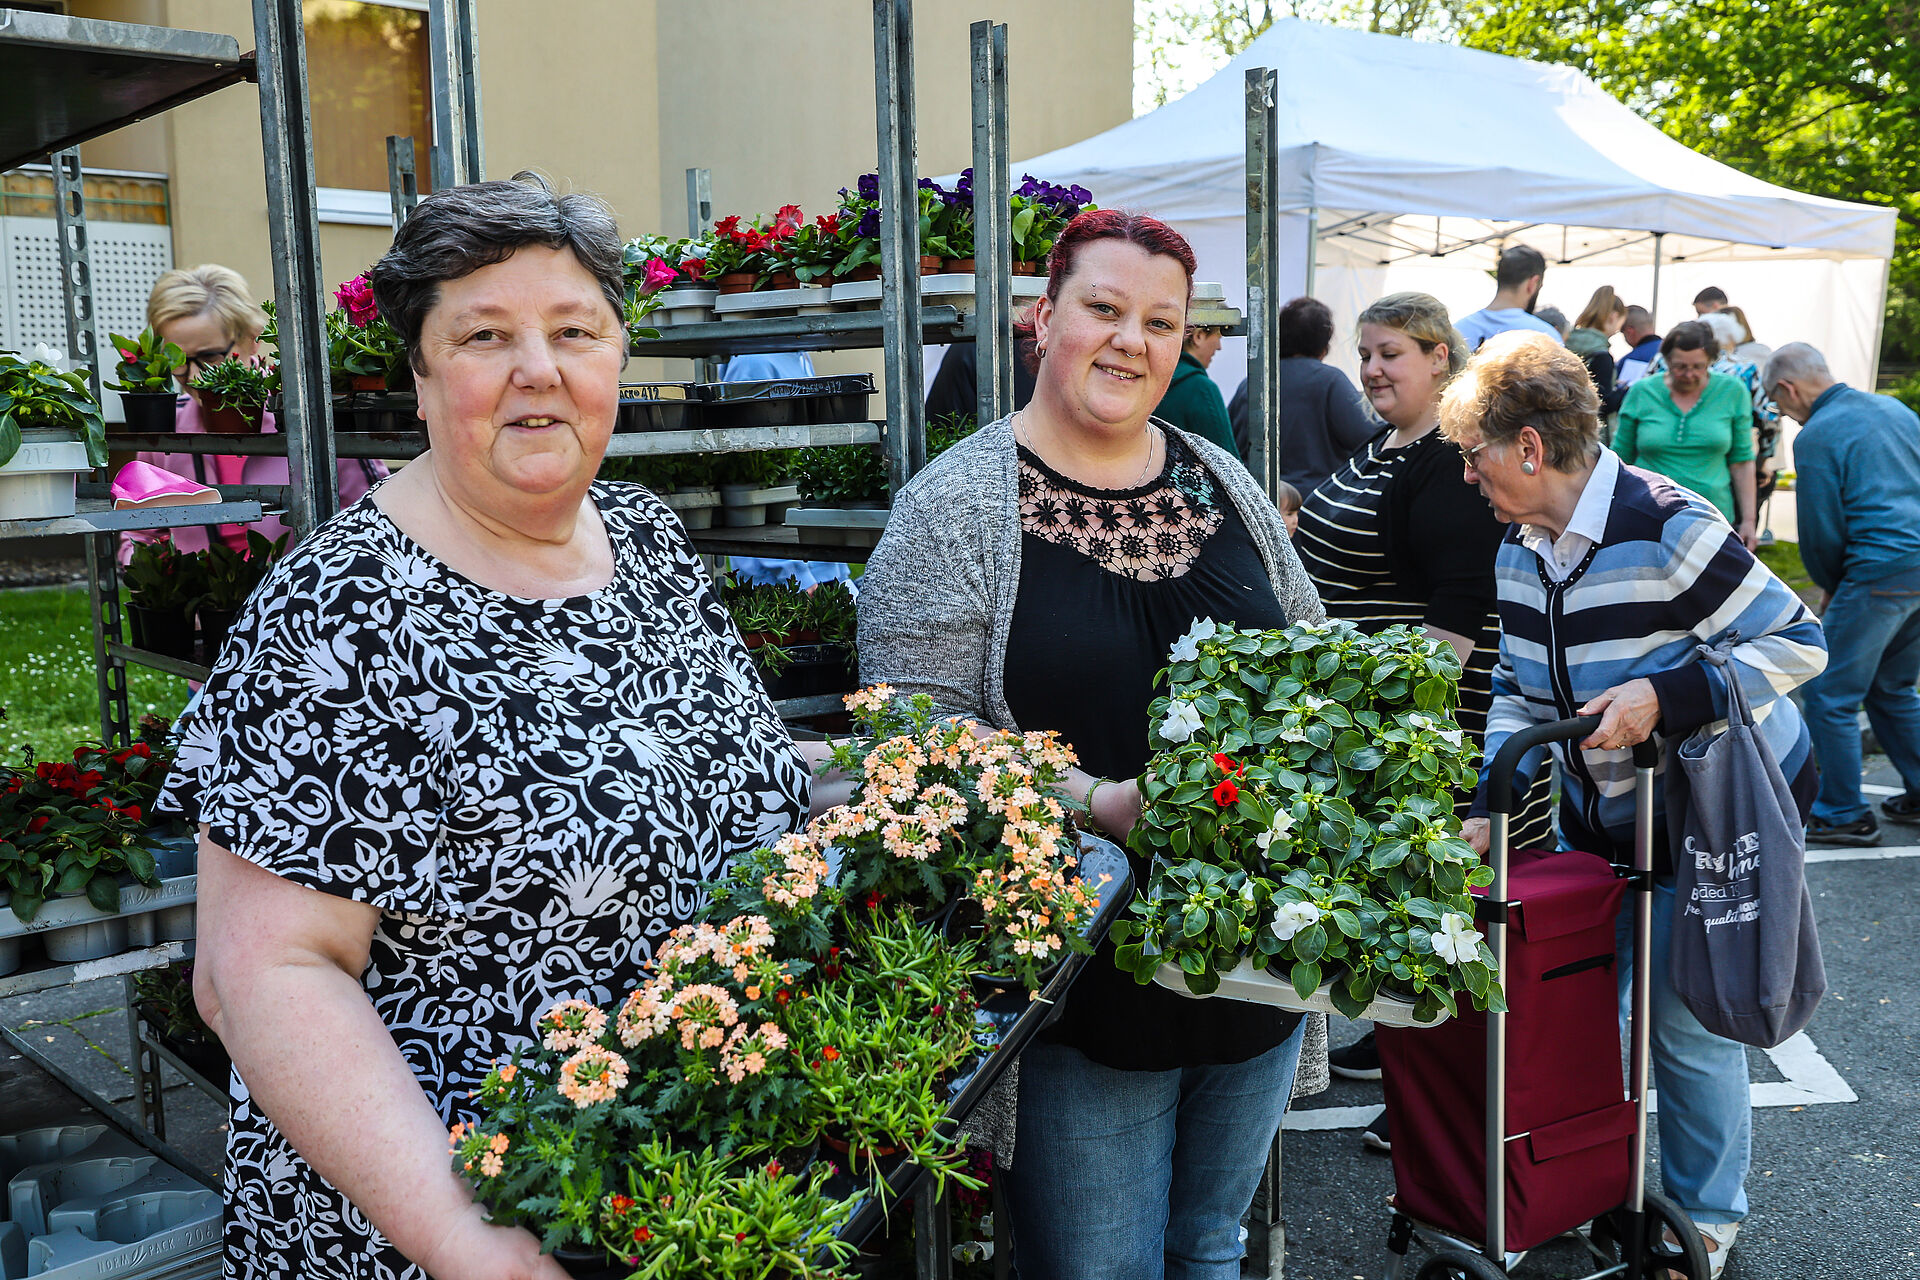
column 1718, row 1238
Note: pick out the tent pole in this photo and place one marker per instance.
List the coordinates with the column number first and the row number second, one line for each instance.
column 1263, row 252
column 1313, row 248
column 1654, row 310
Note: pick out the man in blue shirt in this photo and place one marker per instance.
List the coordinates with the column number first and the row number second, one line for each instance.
column 1517, row 283
column 1857, row 497
column 1644, row 340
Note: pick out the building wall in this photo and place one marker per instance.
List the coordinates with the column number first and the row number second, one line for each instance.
column 620, row 97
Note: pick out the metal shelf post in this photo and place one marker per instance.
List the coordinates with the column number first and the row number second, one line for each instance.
column 293, row 226
column 454, row 46
column 1263, row 249
column 899, row 239
column 992, row 225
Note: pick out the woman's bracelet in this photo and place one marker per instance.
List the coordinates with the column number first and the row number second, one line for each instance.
column 1092, row 787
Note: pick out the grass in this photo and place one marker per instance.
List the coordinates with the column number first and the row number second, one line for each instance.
column 47, row 680
column 1784, row 559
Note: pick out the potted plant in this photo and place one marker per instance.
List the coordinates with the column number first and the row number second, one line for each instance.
column 729, row 255
column 1299, row 815
column 145, row 381
column 746, row 481
column 51, row 433
column 956, row 225
column 227, row 579
column 857, row 231
column 367, row 364
column 770, row 259
column 162, row 586
column 802, row 642
column 164, row 998
column 1040, row 211
column 237, row 393
column 666, row 277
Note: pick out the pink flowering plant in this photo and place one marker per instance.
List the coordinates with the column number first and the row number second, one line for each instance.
column 944, row 810
column 361, row 342
column 1299, row 812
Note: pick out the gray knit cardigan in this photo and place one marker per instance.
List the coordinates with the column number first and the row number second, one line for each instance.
column 937, row 599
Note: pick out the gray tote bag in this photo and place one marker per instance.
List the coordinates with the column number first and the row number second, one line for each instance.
column 1745, row 954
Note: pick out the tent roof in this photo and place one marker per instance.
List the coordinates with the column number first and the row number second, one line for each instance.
column 1373, row 124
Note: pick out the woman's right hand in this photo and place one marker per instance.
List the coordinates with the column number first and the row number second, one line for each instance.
column 479, row 1250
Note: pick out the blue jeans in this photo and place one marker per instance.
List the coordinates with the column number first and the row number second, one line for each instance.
column 1873, row 656
column 1706, row 1105
column 1136, row 1175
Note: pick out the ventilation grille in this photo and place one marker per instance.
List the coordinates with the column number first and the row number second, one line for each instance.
column 127, row 258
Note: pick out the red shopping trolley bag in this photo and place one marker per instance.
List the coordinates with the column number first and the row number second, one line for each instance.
column 1569, row 1126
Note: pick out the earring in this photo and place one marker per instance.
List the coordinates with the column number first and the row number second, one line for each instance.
column 1527, row 467
column 1040, row 350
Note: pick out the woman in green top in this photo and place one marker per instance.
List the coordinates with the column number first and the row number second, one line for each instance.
column 1694, row 427
column 1193, row 401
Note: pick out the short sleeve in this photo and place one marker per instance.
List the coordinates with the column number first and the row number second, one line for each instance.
column 308, row 752
column 1739, row 410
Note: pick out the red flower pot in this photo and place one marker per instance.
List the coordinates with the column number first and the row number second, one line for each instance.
column 736, row 282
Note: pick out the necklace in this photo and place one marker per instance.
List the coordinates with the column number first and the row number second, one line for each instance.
column 1020, row 426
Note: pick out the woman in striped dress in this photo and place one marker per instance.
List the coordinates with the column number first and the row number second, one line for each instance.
column 1396, row 535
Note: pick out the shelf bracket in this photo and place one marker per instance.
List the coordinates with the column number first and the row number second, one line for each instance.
column 403, row 178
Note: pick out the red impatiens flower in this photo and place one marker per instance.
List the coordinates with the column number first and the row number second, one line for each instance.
column 1226, row 793
column 1225, row 764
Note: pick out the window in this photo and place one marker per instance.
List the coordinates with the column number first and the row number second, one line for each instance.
column 366, row 78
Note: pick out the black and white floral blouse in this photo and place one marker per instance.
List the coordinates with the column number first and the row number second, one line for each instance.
column 530, row 791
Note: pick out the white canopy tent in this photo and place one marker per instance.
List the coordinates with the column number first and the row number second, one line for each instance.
column 1410, row 165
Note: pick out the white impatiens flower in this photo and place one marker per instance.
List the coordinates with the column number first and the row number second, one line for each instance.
column 49, row 356
column 1452, row 736
column 1292, row 918
column 1458, row 941
column 1282, row 824
column 1182, row 722
column 1187, row 647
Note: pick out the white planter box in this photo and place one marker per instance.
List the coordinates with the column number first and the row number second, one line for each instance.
column 40, row 480
column 1257, row 986
column 683, row 306
column 807, row 300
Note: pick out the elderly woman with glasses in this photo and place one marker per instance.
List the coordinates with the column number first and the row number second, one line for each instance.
column 1694, row 426
column 1609, row 577
column 208, row 313
column 471, row 750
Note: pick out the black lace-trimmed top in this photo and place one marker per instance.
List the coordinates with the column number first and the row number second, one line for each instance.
column 1109, row 579
column 1149, row 534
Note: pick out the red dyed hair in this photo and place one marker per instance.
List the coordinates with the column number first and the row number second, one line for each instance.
column 1151, row 234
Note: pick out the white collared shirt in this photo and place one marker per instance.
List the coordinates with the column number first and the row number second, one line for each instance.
column 1589, row 523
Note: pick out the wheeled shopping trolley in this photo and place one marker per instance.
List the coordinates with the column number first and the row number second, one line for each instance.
column 1510, row 1129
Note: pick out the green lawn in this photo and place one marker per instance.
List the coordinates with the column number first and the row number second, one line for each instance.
column 1784, row 559
column 47, row 683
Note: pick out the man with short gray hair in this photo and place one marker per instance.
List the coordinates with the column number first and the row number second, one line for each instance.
column 1857, row 493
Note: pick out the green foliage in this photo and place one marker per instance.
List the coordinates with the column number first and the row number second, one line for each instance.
column 34, row 395
column 228, row 577
column 858, row 472
column 244, row 385
column 163, row 579
column 1299, row 802
column 147, row 364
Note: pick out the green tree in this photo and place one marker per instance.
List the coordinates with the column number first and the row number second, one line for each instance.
column 1818, row 95
column 1821, row 96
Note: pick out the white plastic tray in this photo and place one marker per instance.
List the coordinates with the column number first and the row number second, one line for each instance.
column 1257, row 986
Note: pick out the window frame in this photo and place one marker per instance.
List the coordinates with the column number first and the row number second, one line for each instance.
column 360, row 207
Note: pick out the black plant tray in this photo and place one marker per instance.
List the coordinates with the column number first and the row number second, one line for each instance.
column 660, row 406
column 779, row 402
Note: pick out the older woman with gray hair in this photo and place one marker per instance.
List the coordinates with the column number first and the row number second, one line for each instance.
column 471, row 750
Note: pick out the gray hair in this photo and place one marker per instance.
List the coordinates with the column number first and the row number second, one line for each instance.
column 454, row 233
column 1555, row 317
column 1690, row 335
column 1795, row 362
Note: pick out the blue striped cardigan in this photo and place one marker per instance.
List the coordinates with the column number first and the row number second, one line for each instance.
column 1668, row 575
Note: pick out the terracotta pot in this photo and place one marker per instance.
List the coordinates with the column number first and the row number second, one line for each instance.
column 367, row 382
column 930, row 264
column 1027, row 269
column 959, row 266
column 869, row 272
column 782, row 280
column 234, row 422
column 736, row 282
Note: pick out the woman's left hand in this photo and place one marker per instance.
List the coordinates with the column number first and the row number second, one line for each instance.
column 1627, row 714
column 1116, row 807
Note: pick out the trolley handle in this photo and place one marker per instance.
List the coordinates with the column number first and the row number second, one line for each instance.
column 1507, row 762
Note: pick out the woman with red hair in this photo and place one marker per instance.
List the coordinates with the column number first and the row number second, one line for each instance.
column 1035, row 577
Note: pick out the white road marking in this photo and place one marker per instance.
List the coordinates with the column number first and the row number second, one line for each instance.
column 1873, row 853
column 1811, row 1081
column 1875, row 789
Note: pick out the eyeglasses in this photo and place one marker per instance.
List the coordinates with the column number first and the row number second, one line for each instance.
column 1468, row 455
column 202, row 359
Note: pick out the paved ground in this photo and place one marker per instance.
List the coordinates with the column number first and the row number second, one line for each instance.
column 1834, row 1190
